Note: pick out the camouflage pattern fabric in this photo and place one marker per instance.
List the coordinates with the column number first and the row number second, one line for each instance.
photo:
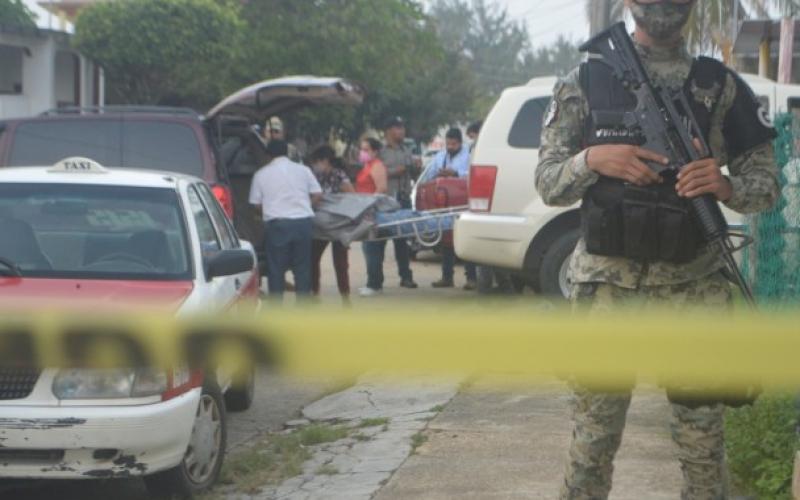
column 663, row 19
column 562, row 175
column 599, row 418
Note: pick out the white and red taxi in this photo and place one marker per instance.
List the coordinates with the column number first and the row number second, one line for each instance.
column 81, row 234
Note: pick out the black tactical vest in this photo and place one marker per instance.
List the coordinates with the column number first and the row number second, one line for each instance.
column 646, row 224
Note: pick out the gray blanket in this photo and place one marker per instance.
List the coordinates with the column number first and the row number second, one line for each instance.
column 348, row 217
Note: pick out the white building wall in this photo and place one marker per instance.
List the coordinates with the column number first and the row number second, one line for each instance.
column 46, row 78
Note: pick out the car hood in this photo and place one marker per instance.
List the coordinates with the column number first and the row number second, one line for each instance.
column 95, row 295
column 261, row 100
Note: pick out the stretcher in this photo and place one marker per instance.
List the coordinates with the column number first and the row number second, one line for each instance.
column 427, row 227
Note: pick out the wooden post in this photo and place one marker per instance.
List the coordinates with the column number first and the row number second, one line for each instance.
column 600, row 16
column 763, row 58
column 786, row 51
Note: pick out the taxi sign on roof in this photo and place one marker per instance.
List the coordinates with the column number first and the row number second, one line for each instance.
column 78, row 165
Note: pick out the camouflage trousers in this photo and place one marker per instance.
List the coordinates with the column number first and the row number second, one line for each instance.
column 599, row 418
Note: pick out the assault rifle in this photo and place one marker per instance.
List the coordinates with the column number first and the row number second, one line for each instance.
column 664, row 119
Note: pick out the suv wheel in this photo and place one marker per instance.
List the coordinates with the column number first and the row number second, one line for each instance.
column 202, row 462
column 553, row 271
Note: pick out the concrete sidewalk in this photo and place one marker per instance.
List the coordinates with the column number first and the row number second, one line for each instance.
column 510, row 444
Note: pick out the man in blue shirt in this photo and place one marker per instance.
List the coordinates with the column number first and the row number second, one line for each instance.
column 453, row 162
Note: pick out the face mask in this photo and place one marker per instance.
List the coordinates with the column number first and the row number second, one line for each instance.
column 364, row 157
column 661, row 20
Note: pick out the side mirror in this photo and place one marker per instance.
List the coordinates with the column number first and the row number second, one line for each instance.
column 228, row 263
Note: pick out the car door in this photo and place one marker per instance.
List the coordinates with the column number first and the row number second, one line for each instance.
column 242, row 282
column 220, row 292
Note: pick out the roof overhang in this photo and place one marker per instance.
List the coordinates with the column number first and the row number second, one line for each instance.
column 753, row 31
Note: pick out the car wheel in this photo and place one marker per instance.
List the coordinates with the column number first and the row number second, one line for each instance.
column 202, row 462
column 553, row 271
column 239, row 397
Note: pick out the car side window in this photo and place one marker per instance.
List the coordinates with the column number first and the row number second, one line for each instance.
column 209, row 243
column 226, row 234
column 526, row 130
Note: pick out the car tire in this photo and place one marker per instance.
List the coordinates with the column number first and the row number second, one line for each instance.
column 201, row 465
column 239, row 397
column 552, row 273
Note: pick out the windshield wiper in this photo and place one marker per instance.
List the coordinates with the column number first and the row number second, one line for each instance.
column 12, row 267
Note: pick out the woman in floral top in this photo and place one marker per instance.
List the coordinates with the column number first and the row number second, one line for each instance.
column 330, row 172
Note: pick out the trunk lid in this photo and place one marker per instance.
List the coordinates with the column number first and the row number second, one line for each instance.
column 261, row 100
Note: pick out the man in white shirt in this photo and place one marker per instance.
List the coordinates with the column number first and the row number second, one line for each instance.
column 284, row 192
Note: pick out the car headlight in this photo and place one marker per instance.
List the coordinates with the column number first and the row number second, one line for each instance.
column 109, row 384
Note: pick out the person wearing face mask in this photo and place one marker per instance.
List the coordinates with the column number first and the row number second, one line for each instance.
column 589, row 154
column 372, row 179
column 330, row 173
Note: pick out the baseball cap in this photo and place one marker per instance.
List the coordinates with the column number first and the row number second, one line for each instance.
column 395, row 121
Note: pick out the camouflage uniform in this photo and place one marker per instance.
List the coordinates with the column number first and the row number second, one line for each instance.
column 562, row 178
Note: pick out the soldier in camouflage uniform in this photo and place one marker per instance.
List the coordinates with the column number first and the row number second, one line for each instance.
column 566, row 171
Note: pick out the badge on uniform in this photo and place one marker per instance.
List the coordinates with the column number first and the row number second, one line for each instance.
column 706, row 96
column 552, row 113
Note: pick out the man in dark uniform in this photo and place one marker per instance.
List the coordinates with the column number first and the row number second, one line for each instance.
column 597, row 160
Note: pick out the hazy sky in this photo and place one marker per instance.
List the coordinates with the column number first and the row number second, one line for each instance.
column 546, row 19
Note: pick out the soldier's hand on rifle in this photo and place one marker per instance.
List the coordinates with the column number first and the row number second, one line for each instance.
column 625, row 162
column 703, row 177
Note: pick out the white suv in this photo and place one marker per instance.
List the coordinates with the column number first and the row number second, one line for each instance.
column 508, row 226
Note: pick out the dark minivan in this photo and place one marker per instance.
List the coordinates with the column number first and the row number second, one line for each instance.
column 176, row 139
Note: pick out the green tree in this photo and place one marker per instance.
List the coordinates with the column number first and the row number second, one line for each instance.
column 388, row 46
column 15, row 13
column 494, row 44
column 162, row 51
column 557, row 59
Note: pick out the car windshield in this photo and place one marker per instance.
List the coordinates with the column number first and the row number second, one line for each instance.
column 151, row 144
column 92, row 232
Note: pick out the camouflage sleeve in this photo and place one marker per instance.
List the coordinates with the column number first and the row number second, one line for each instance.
column 754, row 178
column 753, row 171
column 562, row 176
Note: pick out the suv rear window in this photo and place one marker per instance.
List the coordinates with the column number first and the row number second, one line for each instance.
column 527, row 128
column 136, row 143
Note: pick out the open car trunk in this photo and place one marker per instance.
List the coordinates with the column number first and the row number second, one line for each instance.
column 241, row 147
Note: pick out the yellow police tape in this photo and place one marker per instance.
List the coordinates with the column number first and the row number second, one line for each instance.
column 609, row 350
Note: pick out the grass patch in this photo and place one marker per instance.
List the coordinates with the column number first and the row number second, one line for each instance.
column 437, row 409
column 319, row 434
column 276, row 458
column 328, row 470
column 271, row 461
column 373, row 422
column 361, row 437
column 761, row 442
column 418, row 440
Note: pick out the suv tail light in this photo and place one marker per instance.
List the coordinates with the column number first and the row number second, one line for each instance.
column 224, row 197
column 481, row 187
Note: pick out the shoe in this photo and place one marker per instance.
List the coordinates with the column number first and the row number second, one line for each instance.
column 470, row 286
column 408, row 284
column 443, row 283
column 369, row 292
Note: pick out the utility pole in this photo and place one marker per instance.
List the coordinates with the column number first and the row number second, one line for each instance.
column 599, row 16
